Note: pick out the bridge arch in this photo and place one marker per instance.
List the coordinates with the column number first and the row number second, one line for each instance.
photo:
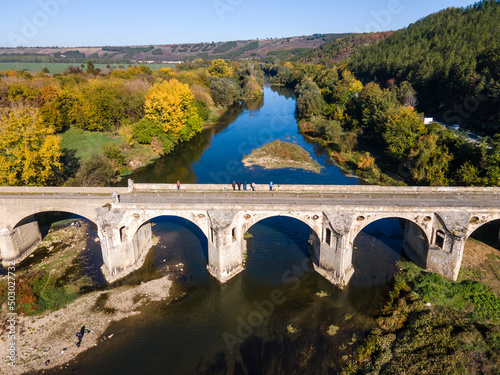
column 416, row 238
column 133, row 221
column 22, row 216
column 479, row 221
column 361, row 221
column 280, row 245
column 250, row 218
column 20, row 240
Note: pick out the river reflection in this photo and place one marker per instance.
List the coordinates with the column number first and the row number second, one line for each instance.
column 234, row 327
column 215, row 155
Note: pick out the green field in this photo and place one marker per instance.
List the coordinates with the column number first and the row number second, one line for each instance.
column 86, row 143
column 60, row 67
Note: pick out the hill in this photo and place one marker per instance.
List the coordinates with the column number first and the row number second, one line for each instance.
column 283, row 48
column 336, row 50
column 451, row 58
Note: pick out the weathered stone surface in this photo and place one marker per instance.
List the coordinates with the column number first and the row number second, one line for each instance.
column 335, row 214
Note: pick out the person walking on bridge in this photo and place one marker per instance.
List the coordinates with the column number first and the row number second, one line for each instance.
column 270, row 185
column 234, row 185
column 178, row 185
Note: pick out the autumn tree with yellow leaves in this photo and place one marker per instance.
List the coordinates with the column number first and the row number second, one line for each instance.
column 30, row 152
column 220, row 69
column 171, row 105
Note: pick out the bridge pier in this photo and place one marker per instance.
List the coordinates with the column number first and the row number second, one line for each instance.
column 449, row 232
column 122, row 252
column 332, row 253
column 19, row 243
column 415, row 246
column 226, row 246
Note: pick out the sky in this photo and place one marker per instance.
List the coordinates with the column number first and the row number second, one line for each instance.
column 74, row 23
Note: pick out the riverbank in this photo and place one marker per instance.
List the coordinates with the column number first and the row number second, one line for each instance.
column 280, row 155
column 48, row 339
column 434, row 325
column 353, row 163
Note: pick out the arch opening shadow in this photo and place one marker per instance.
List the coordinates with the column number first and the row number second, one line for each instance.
column 380, row 245
column 180, row 249
column 70, row 250
column 276, row 247
column 481, row 258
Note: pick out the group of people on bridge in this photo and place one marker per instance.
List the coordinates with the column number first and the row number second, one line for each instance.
column 239, row 184
column 252, row 185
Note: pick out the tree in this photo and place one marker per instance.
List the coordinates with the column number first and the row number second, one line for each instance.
column 309, row 101
column 468, row 175
column 90, row 67
column 96, row 171
column 220, row 69
column 404, row 127
column 171, row 105
column 225, row 91
column 30, row 153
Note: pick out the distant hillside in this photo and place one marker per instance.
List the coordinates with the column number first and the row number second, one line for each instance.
column 339, row 49
column 452, row 59
column 282, row 48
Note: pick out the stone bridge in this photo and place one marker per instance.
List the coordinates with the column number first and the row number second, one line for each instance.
column 438, row 220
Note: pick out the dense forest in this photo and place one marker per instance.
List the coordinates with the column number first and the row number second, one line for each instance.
column 451, row 58
column 340, row 49
column 141, row 114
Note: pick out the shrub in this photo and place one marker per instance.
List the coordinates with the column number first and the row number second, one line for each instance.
column 96, row 171
column 113, row 152
column 225, row 91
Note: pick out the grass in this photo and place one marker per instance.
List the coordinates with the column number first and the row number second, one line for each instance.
column 86, row 143
column 279, row 155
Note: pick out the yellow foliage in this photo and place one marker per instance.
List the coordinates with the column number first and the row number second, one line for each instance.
column 220, row 69
column 169, row 104
column 29, row 151
column 366, row 161
column 253, row 89
column 355, row 86
column 127, row 134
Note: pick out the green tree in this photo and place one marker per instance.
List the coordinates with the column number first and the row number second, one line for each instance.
column 468, row 175
column 403, row 130
column 309, row 101
column 95, row 171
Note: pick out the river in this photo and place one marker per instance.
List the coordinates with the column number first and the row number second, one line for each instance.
column 273, row 317
column 215, row 155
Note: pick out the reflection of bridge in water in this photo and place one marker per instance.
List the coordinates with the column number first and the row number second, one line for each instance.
column 438, row 220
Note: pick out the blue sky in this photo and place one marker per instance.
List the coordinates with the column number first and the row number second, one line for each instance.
column 72, row 23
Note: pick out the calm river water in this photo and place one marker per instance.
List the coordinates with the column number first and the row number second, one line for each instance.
column 234, row 328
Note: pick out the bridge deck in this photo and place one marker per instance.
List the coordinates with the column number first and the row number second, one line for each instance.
column 404, row 199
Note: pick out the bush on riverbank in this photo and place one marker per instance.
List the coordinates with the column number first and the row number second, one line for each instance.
column 433, row 325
